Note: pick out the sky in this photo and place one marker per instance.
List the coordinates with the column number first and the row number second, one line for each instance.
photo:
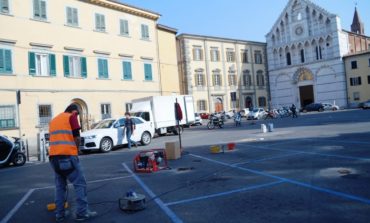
column 240, row 19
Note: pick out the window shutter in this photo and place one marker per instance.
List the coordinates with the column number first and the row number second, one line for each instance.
column 43, row 9
column 75, row 17
column 52, row 65
column 105, row 63
column 359, row 80
column 127, row 73
column 201, row 54
column 83, row 67
column 8, row 61
column 102, row 22
column 142, row 31
column 148, row 71
column 66, row 65
column 100, row 68
column 69, row 15
column 2, row 61
column 97, row 22
column 36, row 8
column 31, row 63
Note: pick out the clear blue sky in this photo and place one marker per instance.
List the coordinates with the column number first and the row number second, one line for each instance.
column 240, row 19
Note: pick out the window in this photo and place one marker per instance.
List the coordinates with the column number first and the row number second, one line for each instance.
column 261, row 101
column 144, row 31
column 260, row 79
column 302, row 56
column 199, row 79
column 217, row 79
column 103, row 68
column 128, row 107
column 74, row 66
column 45, row 115
column 124, row 27
column 41, row 64
column 318, row 53
column 232, row 79
column 7, row 116
column 5, row 61
column 197, row 53
column 244, row 56
column 230, row 56
column 258, row 57
column 105, row 111
column 368, row 79
column 4, row 6
column 355, row 81
column 72, row 16
column 202, row 105
column 354, row 64
column 148, row 72
column 215, row 55
column 39, row 9
column 247, row 79
column 288, row 59
column 127, row 71
column 356, row 96
column 99, row 22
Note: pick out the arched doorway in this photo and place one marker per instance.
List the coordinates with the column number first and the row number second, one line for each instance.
column 84, row 113
column 305, row 81
column 248, row 102
column 219, row 107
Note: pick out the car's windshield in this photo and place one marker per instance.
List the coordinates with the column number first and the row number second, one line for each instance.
column 105, row 124
column 255, row 110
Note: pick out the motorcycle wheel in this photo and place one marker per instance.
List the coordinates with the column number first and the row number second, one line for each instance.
column 210, row 125
column 19, row 159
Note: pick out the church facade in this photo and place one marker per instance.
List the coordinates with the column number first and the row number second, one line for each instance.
column 304, row 50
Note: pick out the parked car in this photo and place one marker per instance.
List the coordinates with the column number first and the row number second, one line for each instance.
column 330, row 107
column 313, row 107
column 244, row 112
column 11, row 151
column 110, row 132
column 230, row 114
column 364, row 105
column 198, row 119
column 204, row 115
column 256, row 113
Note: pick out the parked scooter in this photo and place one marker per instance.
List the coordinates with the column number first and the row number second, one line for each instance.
column 11, row 151
column 215, row 121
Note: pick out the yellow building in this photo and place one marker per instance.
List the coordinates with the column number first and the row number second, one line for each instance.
column 99, row 54
column 213, row 69
column 358, row 77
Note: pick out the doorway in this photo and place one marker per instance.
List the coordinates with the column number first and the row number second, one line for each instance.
column 306, row 95
column 248, row 102
column 84, row 115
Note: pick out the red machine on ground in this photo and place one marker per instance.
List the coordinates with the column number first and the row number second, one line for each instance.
column 149, row 161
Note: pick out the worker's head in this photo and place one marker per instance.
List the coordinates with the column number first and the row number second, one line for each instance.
column 72, row 108
column 127, row 114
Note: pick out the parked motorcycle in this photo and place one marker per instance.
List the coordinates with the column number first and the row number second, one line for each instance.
column 12, row 151
column 215, row 121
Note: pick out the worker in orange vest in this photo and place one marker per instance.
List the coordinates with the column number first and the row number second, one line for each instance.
column 64, row 132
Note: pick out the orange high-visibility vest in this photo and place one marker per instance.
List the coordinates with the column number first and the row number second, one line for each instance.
column 61, row 137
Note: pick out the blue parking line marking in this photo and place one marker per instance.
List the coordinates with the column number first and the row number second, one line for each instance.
column 160, row 203
column 312, row 153
column 268, row 158
column 255, row 187
column 321, row 189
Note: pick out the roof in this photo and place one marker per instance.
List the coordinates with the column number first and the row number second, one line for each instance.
column 356, row 34
column 167, row 28
column 215, row 38
column 357, row 54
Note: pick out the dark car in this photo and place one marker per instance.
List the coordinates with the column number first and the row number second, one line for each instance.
column 364, row 105
column 313, row 107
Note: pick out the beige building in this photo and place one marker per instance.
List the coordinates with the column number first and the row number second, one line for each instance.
column 358, row 77
column 212, row 69
column 99, row 54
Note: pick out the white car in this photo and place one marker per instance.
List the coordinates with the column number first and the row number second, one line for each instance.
column 198, row 119
column 230, row 114
column 256, row 113
column 244, row 112
column 330, row 107
column 110, row 132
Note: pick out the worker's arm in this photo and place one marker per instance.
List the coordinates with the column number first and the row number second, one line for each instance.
column 77, row 140
column 75, row 129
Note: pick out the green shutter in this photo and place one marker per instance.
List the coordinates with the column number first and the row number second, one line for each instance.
column 36, row 8
column 100, row 68
column 2, row 61
column 43, row 9
column 105, row 63
column 97, row 22
column 148, row 72
column 142, row 31
column 83, row 67
column 31, row 63
column 75, row 17
column 127, row 73
column 66, row 66
column 69, row 16
column 53, row 70
column 8, row 61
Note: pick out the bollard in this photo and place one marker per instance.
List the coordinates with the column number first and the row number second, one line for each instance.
column 270, row 127
column 263, row 128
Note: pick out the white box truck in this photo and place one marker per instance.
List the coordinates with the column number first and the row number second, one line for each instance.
column 160, row 112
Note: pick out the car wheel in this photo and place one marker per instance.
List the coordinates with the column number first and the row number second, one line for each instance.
column 146, row 138
column 106, row 145
column 334, row 109
column 321, row 109
column 19, row 159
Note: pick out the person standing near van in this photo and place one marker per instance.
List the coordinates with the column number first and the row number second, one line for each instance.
column 130, row 129
column 64, row 132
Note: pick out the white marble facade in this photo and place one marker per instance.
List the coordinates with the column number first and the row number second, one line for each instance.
column 304, row 49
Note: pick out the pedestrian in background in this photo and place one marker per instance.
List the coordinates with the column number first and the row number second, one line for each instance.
column 238, row 119
column 130, row 129
column 64, row 132
column 294, row 111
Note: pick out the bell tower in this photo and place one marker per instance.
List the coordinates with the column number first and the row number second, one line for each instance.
column 357, row 26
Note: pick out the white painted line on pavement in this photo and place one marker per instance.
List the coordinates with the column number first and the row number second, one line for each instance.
column 17, row 206
column 160, row 203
